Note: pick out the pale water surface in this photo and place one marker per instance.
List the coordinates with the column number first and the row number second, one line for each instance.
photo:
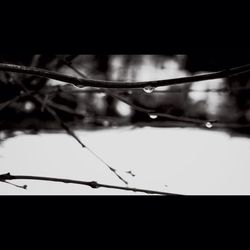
column 185, row 161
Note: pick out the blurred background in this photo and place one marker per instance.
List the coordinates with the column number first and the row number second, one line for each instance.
column 222, row 100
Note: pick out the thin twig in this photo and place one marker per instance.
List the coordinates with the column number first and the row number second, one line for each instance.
column 71, row 133
column 131, row 173
column 9, row 102
column 49, row 102
column 83, row 82
column 64, row 109
column 45, row 100
column 184, row 120
column 69, row 64
column 85, row 77
column 229, row 72
column 142, row 108
column 16, row 98
column 154, row 112
column 160, row 114
column 181, row 124
column 92, row 184
column 15, row 185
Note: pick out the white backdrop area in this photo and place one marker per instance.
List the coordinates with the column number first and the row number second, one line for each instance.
column 184, row 161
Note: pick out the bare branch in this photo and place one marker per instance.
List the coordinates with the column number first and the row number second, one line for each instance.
column 71, row 133
column 181, row 124
column 151, row 111
column 140, row 108
column 184, row 120
column 46, row 98
column 9, row 102
column 65, row 89
column 64, row 109
column 83, row 82
column 92, row 184
column 69, row 64
column 12, row 184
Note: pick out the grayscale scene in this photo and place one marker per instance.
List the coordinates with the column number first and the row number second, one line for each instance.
column 125, row 125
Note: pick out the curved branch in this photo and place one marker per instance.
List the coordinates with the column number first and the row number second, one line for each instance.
column 71, row 133
column 68, row 130
column 188, row 120
column 140, row 108
column 83, row 82
column 92, row 184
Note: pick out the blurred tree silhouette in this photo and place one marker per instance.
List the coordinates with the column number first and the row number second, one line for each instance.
column 87, row 108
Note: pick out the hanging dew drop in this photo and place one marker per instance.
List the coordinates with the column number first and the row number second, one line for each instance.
column 153, row 116
column 208, row 124
column 148, row 90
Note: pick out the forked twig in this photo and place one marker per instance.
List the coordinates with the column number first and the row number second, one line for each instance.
column 71, row 133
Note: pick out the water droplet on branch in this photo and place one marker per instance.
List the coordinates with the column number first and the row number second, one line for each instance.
column 148, row 90
column 153, row 116
column 208, row 124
